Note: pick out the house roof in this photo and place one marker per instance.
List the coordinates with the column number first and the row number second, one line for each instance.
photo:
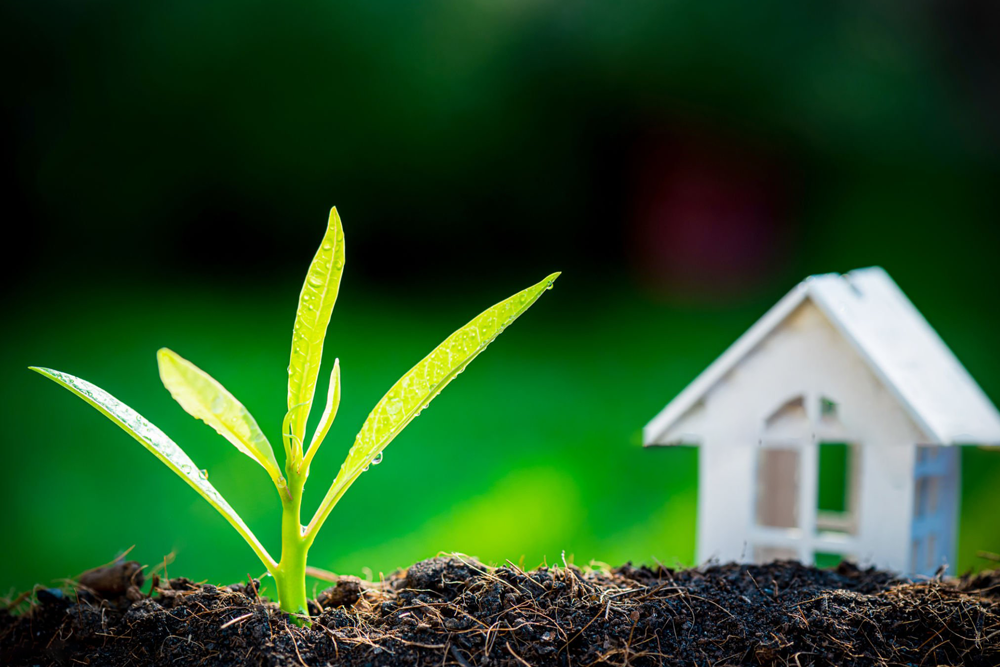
column 895, row 340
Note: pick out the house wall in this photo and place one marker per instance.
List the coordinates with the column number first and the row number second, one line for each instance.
column 807, row 356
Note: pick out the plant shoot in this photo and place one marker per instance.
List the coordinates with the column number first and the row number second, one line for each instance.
column 206, row 399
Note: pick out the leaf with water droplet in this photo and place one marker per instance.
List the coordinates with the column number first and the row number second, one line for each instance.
column 316, row 301
column 418, row 387
column 329, row 414
column 206, row 399
column 161, row 446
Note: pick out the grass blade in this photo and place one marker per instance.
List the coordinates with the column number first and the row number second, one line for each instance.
column 204, row 398
column 165, row 449
column 329, row 414
column 411, row 394
column 319, row 293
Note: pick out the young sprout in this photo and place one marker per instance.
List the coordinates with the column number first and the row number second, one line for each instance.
column 205, row 399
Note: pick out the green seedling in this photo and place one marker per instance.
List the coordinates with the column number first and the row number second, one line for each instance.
column 205, row 399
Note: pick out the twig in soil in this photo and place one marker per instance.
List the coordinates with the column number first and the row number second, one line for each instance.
column 296, row 647
column 407, row 642
column 608, row 596
column 628, row 642
column 566, row 645
column 796, row 657
column 470, row 617
column 516, row 656
column 728, row 613
column 489, row 640
column 19, row 599
column 759, row 589
column 333, row 638
column 462, row 557
column 167, row 559
column 235, row 620
column 458, row 656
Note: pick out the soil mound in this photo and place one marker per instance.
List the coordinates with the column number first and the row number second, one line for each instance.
column 455, row 611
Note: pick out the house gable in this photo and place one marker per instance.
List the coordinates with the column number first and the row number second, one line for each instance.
column 885, row 331
column 776, row 392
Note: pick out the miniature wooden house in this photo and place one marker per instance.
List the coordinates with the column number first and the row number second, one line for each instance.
column 829, row 430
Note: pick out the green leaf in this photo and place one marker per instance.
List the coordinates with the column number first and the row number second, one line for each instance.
column 165, row 449
column 329, row 414
column 319, row 293
column 411, row 394
column 204, row 398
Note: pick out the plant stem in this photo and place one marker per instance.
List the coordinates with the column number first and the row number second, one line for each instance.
column 290, row 574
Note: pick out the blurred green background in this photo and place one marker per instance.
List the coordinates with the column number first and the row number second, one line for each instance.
column 170, row 167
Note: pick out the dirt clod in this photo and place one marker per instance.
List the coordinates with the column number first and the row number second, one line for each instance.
column 113, row 581
column 344, row 593
column 455, row 611
column 441, row 575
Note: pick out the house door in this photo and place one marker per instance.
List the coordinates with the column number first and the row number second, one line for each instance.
column 778, row 481
column 778, row 517
column 805, row 503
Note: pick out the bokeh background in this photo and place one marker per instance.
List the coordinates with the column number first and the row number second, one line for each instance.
column 169, row 171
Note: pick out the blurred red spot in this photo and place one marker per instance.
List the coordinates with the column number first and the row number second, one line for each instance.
column 709, row 219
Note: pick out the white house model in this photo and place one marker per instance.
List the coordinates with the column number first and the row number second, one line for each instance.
column 843, row 375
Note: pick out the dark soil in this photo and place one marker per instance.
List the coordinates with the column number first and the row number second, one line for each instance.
column 454, row 611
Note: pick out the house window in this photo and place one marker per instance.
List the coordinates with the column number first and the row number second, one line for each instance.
column 777, row 488
column 933, row 487
column 927, row 454
column 827, row 560
column 790, row 421
column 925, row 499
column 837, row 478
column 931, row 551
column 771, row 554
